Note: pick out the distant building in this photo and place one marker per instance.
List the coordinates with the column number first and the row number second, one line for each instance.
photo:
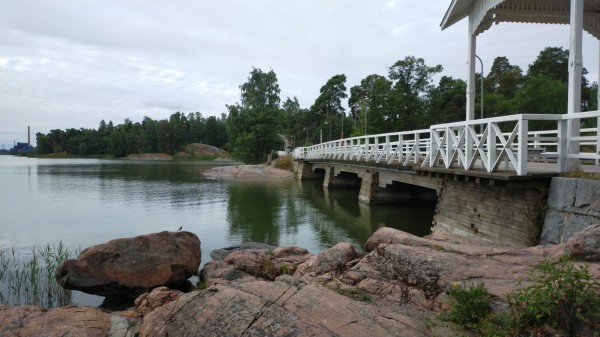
column 21, row 149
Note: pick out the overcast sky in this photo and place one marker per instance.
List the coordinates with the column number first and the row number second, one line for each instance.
column 71, row 63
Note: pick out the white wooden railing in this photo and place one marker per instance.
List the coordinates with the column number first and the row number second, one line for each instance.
column 486, row 142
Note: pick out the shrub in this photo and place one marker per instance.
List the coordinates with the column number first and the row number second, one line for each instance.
column 470, row 304
column 561, row 295
column 284, row 163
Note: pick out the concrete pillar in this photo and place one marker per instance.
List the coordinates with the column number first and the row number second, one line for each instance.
column 343, row 180
column 305, row 171
column 329, row 172
column 368, row 186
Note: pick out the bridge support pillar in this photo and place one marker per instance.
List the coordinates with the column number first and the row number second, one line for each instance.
column 342, row 179
column 305, row 171
column 372, row 193
column 368, row 187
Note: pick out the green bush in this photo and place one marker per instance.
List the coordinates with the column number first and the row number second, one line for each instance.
column 284, row 163
column 470, row 304
column 562, row 295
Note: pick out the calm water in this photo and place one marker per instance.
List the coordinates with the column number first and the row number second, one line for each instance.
column 83, row 202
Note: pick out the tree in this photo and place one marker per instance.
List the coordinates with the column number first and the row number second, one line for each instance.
column 504, row 78
column 542, row 95
column 411, row 82
column 292, row 121
column 369, row 103
column 447, row 101
column 328, row 106
column 180, row 127
column 553, row 63
column 253, row 125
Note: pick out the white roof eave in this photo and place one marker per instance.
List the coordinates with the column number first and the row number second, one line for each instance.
column 484, row 13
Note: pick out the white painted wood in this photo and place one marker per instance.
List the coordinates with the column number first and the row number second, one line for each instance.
column 459, row 144
column 472, row 46
column 575, row 69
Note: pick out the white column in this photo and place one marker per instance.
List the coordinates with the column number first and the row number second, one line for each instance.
column 598, row 108
column 575, row 68
column 472, row 45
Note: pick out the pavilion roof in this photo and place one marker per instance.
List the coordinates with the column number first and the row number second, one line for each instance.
column 487, row 12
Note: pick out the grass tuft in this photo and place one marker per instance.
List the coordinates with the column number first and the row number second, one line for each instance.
column 30, row 280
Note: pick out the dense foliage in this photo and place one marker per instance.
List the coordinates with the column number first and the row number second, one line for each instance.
column 407, row 98
column 167, row 136
column 253, row 125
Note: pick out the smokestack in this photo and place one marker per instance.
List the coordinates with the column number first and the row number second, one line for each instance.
column 28, row 136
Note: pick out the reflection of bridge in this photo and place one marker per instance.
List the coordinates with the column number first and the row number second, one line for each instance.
column 489, row 175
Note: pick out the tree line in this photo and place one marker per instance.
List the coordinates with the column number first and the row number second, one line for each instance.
column 406, row 98
column 147, row 136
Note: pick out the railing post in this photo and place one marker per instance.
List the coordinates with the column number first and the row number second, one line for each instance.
column 416, row 148
column 432, row 148
column 598, row 138
column 561, row 146
column 400, row 149
column 522, row 146
column 491, row 145
column 468, row 146
column 447, row 146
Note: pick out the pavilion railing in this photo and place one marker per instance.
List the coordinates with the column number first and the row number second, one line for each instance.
column 487, row 143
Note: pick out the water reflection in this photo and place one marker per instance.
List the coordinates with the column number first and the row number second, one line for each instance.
column 256, row 211
column 86, row 202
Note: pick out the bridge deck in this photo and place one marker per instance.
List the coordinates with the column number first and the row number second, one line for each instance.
column 536, row 170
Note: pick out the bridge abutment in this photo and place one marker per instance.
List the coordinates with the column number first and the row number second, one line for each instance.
column 499, row 211
column 305, row 171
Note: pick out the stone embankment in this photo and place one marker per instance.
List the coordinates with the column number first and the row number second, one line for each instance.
column 572, row 205
column 395, row 288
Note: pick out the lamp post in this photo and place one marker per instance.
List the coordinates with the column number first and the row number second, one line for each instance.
column 481, row 91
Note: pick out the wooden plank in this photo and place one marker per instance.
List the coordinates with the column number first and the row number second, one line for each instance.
column 513, row 213
column 501, row 192
column 484, row 199
column 485, row 224
column 483, row 232
column 517, row 226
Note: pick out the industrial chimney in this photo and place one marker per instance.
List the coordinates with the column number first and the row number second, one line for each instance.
column 28, row 136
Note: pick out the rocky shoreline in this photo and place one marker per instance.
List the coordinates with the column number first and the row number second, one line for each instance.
column 396, row 287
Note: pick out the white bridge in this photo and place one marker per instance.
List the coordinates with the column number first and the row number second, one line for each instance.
column 515, row 141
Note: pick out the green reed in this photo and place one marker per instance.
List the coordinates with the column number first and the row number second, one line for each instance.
column 30, row 279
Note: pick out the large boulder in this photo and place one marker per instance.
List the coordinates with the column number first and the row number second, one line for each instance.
column 280, row 308
column 585, row 245
column 34, row 321
column 221, row 253
column 329, row 260
column 129, row 267
column 266, row 263
column 154, row 299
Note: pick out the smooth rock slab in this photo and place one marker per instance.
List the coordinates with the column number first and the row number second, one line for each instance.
column 33, row 321
column 129, row 267
column 261, row 308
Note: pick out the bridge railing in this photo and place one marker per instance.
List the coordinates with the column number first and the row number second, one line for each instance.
column 512, row 140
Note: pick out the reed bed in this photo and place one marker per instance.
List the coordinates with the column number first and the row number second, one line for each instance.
column 29, row 278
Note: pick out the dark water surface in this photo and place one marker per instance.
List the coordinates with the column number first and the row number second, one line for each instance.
column 83, row 202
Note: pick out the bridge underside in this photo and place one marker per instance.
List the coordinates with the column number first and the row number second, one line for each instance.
column 499, row 208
